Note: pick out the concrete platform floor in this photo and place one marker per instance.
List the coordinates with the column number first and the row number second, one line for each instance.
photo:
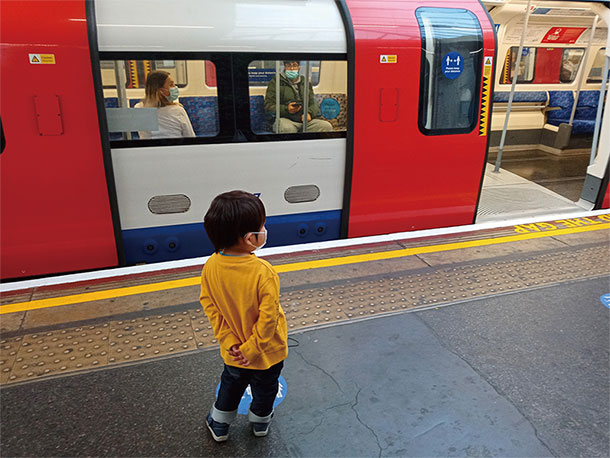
column 521, row 374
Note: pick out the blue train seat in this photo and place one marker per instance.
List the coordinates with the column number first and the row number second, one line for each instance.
column 541, row 97
column 586, row 110
column 203, row 113
column 260, row 122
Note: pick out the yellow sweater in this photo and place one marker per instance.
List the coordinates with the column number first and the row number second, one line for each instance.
column 240, row 296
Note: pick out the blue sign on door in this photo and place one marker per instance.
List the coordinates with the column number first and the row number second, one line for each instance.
column 246, row 399
column 605, row 300
column 452, row 65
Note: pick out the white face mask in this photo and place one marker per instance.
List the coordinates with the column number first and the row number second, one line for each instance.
column 262, row 244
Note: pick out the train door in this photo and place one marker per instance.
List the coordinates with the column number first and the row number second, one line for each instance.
column 422, row 95
column 56, row 212
column 541, row 143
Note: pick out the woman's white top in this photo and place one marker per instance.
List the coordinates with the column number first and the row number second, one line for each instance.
column 173, row 122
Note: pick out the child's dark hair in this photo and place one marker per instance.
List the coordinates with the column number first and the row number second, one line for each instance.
column 231, row 216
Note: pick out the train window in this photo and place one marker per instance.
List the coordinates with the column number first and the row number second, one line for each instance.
column 595, row 74
column 570, row 62
column 170, row 110
column 527, row 65
column 451, row 65
column 296, row 83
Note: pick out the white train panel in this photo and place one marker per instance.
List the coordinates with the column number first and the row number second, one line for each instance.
column 203, row 171
column 221, row 26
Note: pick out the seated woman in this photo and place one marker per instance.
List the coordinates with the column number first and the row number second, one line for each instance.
column 161, row 92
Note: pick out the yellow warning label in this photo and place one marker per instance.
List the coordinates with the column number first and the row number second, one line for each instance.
column 487, row 70
column 388, row 58
column 42, row 58
column 488, row 67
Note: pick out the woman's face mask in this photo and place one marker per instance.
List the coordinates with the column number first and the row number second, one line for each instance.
column 173, row 94
column 262, row 244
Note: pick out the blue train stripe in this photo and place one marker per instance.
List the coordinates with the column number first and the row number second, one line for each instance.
column 167, row 243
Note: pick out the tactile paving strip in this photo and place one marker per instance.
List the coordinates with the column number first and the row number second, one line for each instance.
column 61, row 351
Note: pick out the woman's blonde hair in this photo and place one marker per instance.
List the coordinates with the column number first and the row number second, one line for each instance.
column 155, row 81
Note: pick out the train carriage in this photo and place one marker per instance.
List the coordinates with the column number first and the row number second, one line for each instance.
column 407, row 86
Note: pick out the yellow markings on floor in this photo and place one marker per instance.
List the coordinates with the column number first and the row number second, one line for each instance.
column 317, row 264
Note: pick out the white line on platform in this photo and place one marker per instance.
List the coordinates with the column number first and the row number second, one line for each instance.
column 288, row 249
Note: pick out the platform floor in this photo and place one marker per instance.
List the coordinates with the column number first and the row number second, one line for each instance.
column 458, row 346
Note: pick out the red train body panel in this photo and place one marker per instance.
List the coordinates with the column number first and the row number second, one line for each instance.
column 404, row 180
column 55, row 207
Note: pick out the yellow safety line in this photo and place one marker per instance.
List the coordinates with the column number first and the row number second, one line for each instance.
column 340, row 261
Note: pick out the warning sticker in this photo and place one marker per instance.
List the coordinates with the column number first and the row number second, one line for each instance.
column 487, row 71
column 487, row 67
column 42, row 58
column 388, row 58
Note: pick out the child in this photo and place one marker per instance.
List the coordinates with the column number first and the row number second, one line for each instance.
column 240, row 296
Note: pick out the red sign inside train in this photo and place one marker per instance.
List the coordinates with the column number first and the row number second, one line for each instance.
column 563, row 34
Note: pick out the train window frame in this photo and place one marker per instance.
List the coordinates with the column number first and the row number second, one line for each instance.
column 224, row 95
column 426, row 100
column 533, row 56
column 565, row 59
column 241, row 62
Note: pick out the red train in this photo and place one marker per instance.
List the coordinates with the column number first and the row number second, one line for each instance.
column 407, row 87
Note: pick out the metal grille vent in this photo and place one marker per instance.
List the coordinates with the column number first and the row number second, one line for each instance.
column 304, row 193
column 174, row 203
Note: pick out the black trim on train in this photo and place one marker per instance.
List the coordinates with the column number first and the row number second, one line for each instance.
column 101, row 113
column 233, row 92
column 351, row 81
column 490, row 111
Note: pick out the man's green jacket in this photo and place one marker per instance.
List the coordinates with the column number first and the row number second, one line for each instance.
column 287, row 95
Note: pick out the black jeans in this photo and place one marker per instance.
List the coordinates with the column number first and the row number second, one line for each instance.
column 264, row 385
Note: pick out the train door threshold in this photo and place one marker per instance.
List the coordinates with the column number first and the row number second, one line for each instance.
column 506, row 196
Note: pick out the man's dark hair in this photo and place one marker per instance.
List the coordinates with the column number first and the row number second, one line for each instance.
column 288, row 62
column 231, row 216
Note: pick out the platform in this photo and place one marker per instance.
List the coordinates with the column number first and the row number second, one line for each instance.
column 484, row 343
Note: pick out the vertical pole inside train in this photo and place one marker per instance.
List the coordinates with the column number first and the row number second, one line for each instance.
column 121, row 91
column 277, row 96
column 600, row 108
column 306, row 96
column 512, row 89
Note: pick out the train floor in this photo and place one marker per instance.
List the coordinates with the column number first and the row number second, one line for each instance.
column 486, row 343
column 531, row 182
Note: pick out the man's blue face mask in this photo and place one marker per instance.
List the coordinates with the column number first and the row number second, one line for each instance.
column 292, row 74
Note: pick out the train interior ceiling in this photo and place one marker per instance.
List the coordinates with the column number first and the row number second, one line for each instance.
column 543, row 162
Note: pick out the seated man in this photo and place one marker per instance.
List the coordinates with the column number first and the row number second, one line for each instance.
column 291, row 103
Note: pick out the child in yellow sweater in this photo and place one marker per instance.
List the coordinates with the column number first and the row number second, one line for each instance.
column 240, row 296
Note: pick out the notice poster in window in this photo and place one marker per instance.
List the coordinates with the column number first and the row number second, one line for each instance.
column 564, row 35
